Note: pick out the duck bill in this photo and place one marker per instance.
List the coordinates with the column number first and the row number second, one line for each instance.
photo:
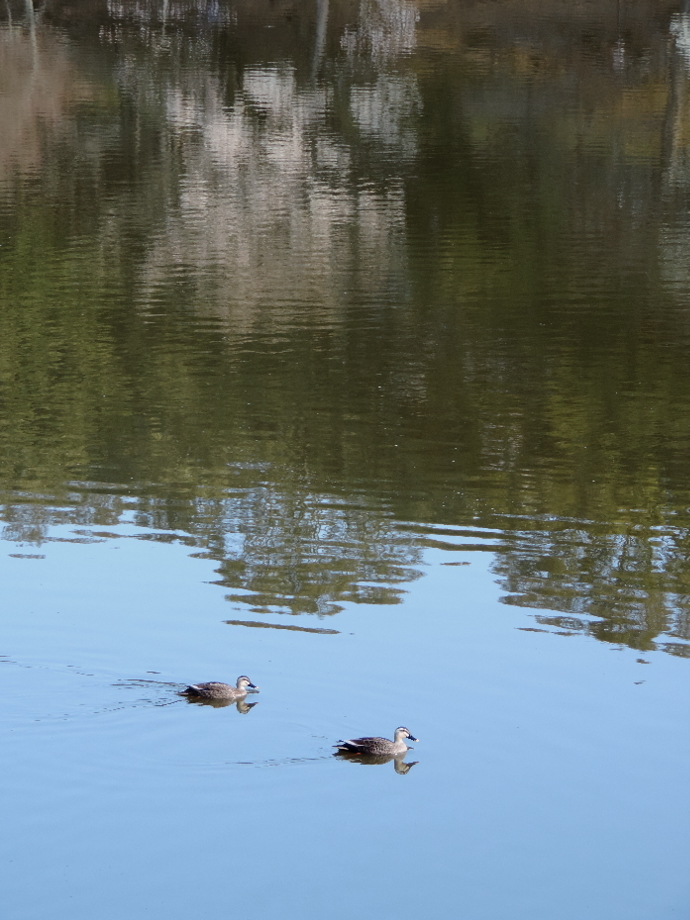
column 414, row 739
column 252, row 687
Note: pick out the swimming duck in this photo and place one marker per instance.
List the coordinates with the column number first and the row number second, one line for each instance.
column 377, row 746
column 215, row 690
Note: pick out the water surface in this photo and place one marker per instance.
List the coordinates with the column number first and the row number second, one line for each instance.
column 345, row 345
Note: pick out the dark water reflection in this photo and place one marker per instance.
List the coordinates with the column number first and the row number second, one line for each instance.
column 281, row 277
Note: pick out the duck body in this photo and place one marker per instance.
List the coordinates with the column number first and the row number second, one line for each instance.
column 215, row 690
column 377, row 747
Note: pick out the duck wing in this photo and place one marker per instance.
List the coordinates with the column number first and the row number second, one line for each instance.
column 358, row 744
column 208, row 687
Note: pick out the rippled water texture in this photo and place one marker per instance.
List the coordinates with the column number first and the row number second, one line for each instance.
column 345, row 345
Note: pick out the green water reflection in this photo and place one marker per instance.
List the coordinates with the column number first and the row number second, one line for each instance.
column 303, row 292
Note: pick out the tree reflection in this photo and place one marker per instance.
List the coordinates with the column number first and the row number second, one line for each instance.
column 282, row 289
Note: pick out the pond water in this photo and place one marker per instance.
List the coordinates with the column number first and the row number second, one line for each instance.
column 345, row 345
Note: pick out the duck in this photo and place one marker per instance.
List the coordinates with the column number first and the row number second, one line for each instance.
column 215, row 690
column 377, row 746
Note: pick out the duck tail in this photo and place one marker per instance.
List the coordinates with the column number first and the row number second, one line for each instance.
column 346, row 746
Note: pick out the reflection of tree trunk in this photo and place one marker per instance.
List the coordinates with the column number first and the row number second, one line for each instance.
column 673, row 140
column 321, row 28
column 31, row 19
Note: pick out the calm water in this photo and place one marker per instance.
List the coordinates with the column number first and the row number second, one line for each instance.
column 345, row 345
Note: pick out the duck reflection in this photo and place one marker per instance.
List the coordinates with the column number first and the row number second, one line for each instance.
column 242, row 706
column 399, row 764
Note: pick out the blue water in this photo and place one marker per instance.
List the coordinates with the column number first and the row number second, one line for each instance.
column 550, row 776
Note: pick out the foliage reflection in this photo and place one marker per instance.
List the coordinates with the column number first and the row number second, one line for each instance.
column 282, row 290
